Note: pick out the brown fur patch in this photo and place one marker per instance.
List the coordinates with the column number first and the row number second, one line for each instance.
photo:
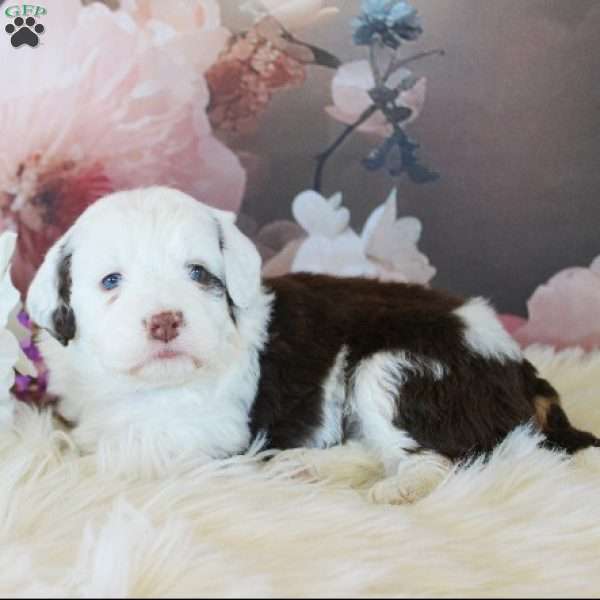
column 313, row 317
column 63, row 317
column 468, row 411
column 542, row 406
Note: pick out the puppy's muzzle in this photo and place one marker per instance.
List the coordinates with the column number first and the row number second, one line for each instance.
column 165, row 326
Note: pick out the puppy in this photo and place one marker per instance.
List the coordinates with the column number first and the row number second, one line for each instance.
column 158, row 329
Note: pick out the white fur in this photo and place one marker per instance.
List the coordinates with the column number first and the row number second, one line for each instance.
column 484, row 333
column 334, row 405
column 376, row 384
column 108, row 378
column 525, row 523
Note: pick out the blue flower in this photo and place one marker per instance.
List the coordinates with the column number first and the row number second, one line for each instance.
column 398, row 155
column 391, row 21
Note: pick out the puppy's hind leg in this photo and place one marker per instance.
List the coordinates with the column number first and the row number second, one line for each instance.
column 376, row 385
column 417, row 476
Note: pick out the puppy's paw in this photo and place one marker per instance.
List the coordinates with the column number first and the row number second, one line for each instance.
column 347, row 466
column 417, row 477
column 296, row 464
column 393, row 490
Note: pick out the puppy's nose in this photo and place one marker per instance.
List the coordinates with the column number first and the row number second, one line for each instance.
column 164, row 326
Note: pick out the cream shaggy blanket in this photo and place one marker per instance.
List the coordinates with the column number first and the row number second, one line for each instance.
column 525, row 524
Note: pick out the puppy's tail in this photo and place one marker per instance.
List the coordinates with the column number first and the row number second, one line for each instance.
column 554, row 423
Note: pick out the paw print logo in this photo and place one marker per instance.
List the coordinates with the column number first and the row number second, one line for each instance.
column 24, row 31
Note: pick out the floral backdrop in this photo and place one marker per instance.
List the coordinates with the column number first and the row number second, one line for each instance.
column 447, row 143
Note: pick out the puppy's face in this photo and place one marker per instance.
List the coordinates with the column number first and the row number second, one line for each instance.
column 148, row 284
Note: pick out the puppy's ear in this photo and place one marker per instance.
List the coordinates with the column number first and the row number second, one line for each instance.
column 49, row 297
column 241, row 258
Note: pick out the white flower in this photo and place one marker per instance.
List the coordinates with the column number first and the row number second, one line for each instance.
column 392, row 244
column 292, row 14
column 320, row 216
column 9, row 347
column 386, row 249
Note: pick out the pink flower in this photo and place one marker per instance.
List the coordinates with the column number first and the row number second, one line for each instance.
column 564, row 312
column 350, row 87
column 292, row 14
column 254, row 66
column 100, row 107
column 512, row 323
column 189, row 28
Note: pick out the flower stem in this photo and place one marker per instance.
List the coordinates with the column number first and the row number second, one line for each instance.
column 324, row 156
column 375, row 65
column 398, row 64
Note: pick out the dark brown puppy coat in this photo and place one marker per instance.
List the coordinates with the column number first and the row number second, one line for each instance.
column 469, row 410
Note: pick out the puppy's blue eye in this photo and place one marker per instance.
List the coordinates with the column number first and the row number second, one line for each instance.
column 198, row 273
column 112, row 281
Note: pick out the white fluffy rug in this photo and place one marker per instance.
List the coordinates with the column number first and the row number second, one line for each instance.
column 525, row 524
